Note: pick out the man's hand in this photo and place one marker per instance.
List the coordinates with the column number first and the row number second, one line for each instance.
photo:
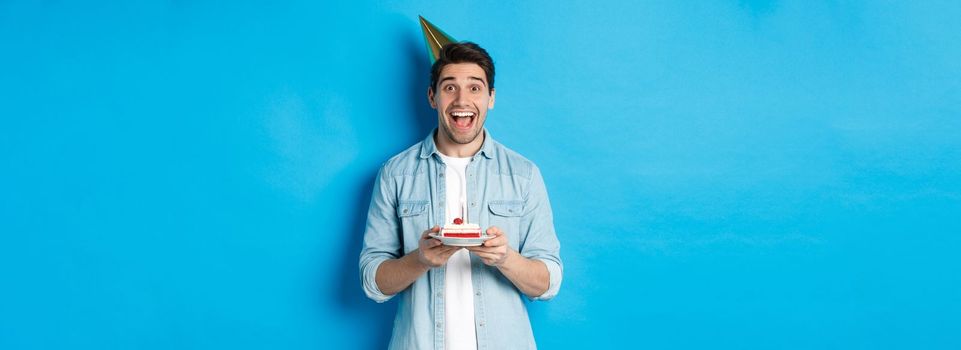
column 431, row 252
column 395, row 275
column 495, row 250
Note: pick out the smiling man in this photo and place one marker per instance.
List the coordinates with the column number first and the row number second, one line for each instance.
column 454, row 297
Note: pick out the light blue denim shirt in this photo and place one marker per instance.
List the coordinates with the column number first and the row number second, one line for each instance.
column 503, row 189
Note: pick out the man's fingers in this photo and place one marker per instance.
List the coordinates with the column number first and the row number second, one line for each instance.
column 494, row 231
column 488, row 248
column 488, row 258
column 428, row 232
column 479, row 248
column 483, row 254
column 443, row 249
column 427, row 240
column 496, row 241
column 487, row 254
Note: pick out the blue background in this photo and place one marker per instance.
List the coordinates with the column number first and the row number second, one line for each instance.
column 724, row 174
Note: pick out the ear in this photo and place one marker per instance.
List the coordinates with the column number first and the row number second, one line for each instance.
column 490, row 104
column 430, row 97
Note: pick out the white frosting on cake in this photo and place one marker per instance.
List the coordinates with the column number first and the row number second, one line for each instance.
column 461, row 229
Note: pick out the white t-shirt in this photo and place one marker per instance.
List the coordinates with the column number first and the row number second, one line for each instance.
column 458, row 289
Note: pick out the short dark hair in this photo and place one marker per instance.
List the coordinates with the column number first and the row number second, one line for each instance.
column 463, row 52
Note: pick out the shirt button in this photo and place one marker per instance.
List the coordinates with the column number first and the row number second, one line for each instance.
column 477, row 294
column 482, row 324
column 440, row 295
column 441, row 175
column 405, row 211
column 439, row 325
column 473, row 204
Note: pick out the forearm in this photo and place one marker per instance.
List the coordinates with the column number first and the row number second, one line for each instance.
column 528, row 275
column 395, row 275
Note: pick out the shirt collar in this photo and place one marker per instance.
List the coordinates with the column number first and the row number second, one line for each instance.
column 428, row 147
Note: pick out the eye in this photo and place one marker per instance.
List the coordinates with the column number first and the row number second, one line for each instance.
column 449, row 88
column 475, row 88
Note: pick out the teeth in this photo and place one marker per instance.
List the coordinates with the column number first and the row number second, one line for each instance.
column 462, row 114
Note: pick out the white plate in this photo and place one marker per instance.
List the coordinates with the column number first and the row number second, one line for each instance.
column 461, row 242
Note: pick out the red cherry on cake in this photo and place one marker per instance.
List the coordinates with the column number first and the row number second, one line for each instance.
column 458, row 221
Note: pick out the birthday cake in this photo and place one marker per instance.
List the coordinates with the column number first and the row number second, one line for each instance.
column 458, row 229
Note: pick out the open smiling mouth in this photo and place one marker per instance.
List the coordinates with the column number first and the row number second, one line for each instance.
column 462, row 120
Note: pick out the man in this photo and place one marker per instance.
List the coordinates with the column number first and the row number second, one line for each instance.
column 453, row 297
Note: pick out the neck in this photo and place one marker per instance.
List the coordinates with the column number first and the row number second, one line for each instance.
column 451, row 149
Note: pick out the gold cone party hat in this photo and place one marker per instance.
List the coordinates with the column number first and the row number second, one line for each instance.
column 434, row 38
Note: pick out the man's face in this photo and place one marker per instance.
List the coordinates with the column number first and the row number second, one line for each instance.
column 461, row 100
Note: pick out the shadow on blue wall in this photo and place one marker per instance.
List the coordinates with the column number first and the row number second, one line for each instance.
column 349, row 293
column 424, row 117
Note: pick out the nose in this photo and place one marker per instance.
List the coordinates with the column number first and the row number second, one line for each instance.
column 460, row 98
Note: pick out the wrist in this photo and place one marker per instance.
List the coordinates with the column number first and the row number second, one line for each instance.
column 509, row 259
column 416, row 260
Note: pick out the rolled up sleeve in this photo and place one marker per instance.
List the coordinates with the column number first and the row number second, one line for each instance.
column 381, row 236
column 541, row 242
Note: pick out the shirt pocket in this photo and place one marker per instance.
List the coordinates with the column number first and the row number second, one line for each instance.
column 411, row 208
column 413, row 221
column 506, row 215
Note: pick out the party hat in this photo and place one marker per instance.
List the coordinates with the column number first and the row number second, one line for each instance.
column 434, row 38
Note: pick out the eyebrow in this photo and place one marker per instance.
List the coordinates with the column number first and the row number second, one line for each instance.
column 452, row 78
